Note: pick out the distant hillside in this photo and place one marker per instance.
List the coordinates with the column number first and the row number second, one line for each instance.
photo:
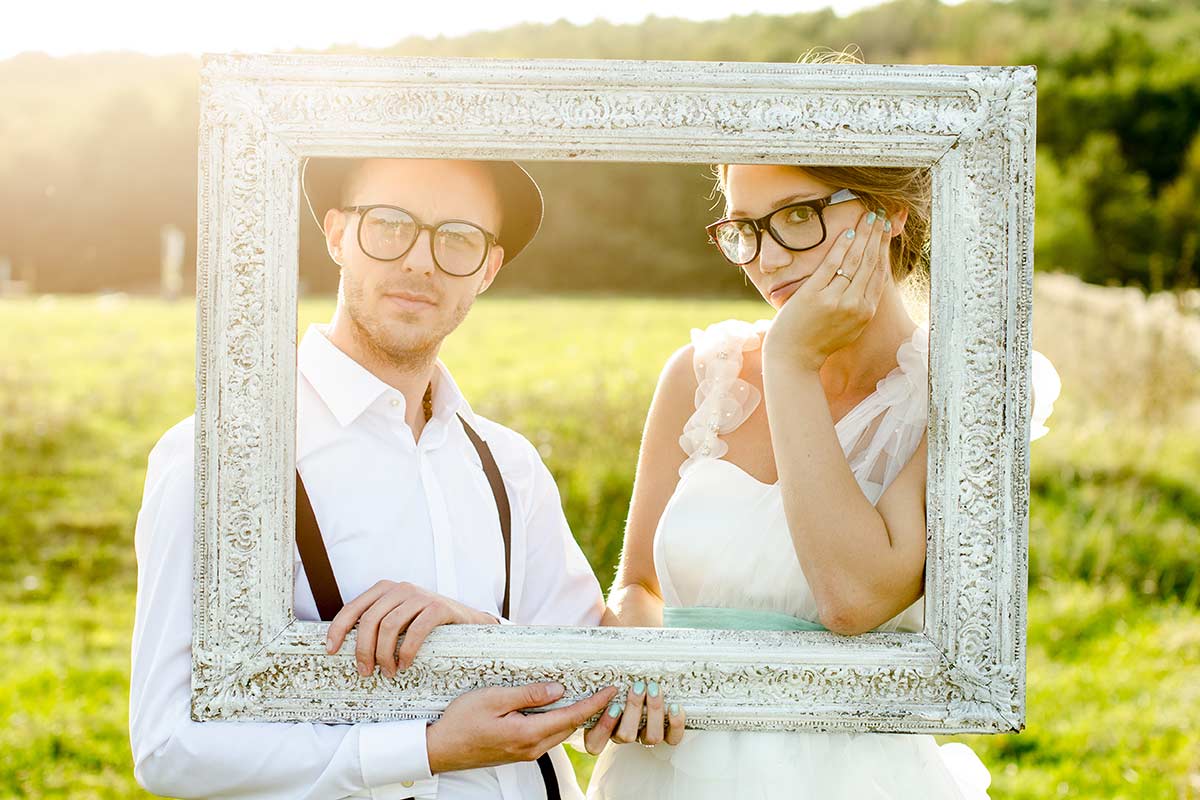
column 97, row 152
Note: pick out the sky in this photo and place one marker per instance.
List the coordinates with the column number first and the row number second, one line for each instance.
column 159, row 27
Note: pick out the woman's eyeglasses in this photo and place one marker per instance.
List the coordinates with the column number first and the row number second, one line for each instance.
column 796, row 226
column 387, row 233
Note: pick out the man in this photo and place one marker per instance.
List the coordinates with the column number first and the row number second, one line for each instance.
column 387, row 463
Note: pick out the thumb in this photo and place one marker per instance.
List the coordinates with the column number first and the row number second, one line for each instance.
column 532, row 695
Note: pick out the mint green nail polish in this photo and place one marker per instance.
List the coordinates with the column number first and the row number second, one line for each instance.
column 887, row 224
column 881, row 213
column 639, row 687
column 674, row 709
column 614, row 710
column 653, row 688
column 850, row 233
column 871, row 218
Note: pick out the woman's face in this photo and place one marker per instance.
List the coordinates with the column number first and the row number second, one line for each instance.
column 754, row 190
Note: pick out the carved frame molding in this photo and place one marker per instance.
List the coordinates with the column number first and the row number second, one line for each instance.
column 974, row 127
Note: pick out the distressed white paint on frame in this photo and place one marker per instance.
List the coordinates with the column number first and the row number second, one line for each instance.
column 973, row 126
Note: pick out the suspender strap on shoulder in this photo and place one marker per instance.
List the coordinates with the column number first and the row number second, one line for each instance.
column 502, row 507
column 548, row 777
column 492, row 471
column 314, row 556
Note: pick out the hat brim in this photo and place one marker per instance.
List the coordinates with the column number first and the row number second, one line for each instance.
column 521, row 206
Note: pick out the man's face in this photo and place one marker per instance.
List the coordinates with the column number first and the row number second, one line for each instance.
column 405, row 308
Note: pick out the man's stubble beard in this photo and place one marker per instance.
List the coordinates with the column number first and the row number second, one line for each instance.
column 379, row 344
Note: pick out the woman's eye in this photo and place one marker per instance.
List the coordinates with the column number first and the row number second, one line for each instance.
column 798, row 215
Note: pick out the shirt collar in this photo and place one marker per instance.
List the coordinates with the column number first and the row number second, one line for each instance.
column 348, row 388
column 448, row 399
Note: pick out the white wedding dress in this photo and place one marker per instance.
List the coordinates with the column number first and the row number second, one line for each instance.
column 723, row 541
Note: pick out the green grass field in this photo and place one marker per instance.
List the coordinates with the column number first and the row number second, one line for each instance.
column 88, row 384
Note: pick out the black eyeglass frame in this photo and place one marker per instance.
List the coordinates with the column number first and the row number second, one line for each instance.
column 362, row 211
column 763, row 222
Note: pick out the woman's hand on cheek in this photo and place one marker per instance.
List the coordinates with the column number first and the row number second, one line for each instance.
column 830, row 309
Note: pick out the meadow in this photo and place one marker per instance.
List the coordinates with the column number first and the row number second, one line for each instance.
column 87, row 385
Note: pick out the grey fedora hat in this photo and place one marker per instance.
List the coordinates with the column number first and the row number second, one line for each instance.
column 521, row 205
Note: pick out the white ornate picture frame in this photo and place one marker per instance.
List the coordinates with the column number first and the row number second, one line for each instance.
column 972, row 126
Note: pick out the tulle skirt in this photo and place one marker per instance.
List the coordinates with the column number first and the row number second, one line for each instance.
column 754, row 765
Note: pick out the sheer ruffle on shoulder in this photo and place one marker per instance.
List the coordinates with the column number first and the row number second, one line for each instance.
column 1046, row 388
column 723, row 400
column 881, row 433
column 878, row 436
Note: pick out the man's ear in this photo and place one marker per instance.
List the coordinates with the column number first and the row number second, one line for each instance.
column 335, row 231
column 495, row 260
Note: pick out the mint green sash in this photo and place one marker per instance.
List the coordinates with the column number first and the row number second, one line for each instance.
column 736, row 619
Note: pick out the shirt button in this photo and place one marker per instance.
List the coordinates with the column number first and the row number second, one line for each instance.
column 406, row 784
column 395, row 403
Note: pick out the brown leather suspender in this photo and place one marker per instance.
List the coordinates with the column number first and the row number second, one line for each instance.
column 324, row 586
column 493, row 475
column 315, row 557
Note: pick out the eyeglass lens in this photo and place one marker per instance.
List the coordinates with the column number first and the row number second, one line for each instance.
column 797, row 227
column 387, row 233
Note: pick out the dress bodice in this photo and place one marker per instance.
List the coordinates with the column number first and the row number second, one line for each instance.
column 723, row 539
column 723, row 542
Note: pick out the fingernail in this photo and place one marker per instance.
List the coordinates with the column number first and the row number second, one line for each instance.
column 362, row 670
column 674, row 709
column 653, row 688
column 553, row 690
column 639, row 687
column 881, row 213
column 850, row 233
column 887, row 224
column 614, row 710
column 329, row 648
column 871, row 218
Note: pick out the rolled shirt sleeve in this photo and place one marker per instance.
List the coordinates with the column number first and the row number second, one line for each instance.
column 176, row 756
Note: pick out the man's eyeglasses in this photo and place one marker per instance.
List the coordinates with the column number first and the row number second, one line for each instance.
column 796, row 226
column 387, row 233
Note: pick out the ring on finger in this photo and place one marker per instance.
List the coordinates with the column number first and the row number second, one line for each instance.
column 841, row 273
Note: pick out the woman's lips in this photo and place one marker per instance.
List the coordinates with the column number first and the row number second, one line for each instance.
column 780, row 295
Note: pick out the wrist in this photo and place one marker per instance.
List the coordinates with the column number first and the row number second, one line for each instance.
column 792, row 356
column 432, row 748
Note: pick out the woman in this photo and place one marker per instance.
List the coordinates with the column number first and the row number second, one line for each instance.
column 794, row 497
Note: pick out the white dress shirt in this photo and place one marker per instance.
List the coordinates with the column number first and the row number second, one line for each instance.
column 389, row 508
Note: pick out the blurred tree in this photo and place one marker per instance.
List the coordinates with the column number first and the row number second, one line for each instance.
column 1180, row 212
column 1122, row 214
column 1063, row 235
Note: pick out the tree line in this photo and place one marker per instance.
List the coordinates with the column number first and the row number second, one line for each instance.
column 98, row 152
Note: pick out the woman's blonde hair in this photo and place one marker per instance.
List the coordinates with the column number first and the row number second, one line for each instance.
column 889, row 188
